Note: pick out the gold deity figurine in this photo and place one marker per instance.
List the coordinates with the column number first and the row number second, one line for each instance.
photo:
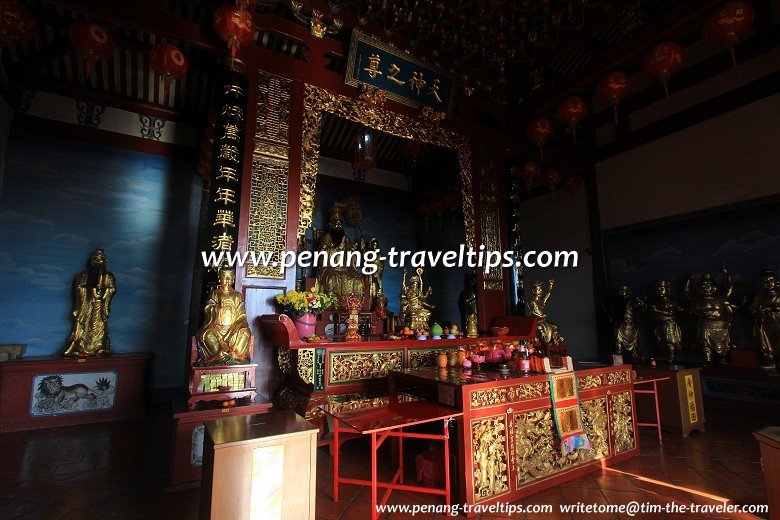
column 376, row 289
column 546, row 331
column 94, row 288
column 766, row 311
column 225, row 338
column 469, row 307
column 663, row 314
column 338, row 277
column 714, row 313
column 621, row 315
column 415, row 311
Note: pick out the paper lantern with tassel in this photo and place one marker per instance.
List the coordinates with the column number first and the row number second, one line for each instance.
column 571, row 111
column 529, row 172
column 16, row 22
column 234, row 25
column 93, row 41
column 169, row 62
column 552, row 177
column 612, row 88
column 572, row 182
column 539, row 131
column 729, row 24
column 661, row 61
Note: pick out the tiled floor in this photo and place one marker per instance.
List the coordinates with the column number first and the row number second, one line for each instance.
column 117, row 471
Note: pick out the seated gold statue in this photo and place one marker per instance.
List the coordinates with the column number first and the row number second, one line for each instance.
column 94, row 288
column 546, row 331
column 415, row 311
column 225, row 338
column 338, row 277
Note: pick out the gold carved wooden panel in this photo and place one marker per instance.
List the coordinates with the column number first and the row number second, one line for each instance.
column 348, row 367
column 273, row 108
column 508, row 394
column 306, row 364
column 491, row 239
column 491, row 464
column 591, row 381
column 267, row 229
column 424, row 129
column 622, row 422
column 537, row 447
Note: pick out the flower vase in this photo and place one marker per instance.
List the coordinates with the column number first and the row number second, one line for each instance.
column 305, row 324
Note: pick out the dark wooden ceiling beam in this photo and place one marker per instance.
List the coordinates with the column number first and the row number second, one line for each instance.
column 673, row 26
column 146, row 15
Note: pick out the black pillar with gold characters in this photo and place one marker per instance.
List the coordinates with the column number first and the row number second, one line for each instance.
column 225, row 185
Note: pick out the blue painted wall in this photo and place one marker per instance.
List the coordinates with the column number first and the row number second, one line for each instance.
column 60, row 200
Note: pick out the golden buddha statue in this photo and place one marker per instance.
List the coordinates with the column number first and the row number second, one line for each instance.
column 415, row 311
column 663, row 311
column 94, row 288
column 225, row 338
column 766, row 311
column 338, row 277
column 713, row 334
column 546, row 331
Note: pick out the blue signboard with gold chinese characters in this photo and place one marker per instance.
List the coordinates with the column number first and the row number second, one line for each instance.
column 405, row 78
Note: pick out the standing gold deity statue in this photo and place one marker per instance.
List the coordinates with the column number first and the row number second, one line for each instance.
column 415, row 311
column 225, row 338
column 339, row 277
column 663, row 312
column 766, row 311
column 626, row 332
column 469, row 306
column 713, row 333
column 94, row 288
column 546, row 331
column 376, row 289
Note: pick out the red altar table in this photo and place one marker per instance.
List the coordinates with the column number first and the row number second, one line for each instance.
column 508, row 445
column 384, row 417
column 317, row 371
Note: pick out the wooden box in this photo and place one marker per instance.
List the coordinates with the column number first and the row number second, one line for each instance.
column 259, row 466
column 679, row 399
column 47, row 391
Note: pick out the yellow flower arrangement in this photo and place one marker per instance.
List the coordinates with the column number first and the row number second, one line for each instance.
column 299, row 303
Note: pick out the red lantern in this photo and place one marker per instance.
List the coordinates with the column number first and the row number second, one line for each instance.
column 552, row 177
column 571, row 111
column 93, row 41
column 539, row 131
column 728, row 24
column 530, row 173
column 612, row 88
column 169, row 62
column 661, row 61
column 16, row 22
column 234, row 26
column 572, row 182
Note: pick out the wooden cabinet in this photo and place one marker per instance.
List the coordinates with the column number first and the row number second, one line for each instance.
column 259, row 467
column 679, row 400
column 769, row 440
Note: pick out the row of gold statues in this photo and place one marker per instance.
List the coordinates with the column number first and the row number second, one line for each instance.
column 713, row 309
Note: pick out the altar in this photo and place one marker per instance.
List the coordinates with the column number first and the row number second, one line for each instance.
column 507, row 444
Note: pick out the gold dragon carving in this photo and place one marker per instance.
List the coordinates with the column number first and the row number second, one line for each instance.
column 508, row 394
column 283, row 358
column 491, row 473
column 426, row 130
column 347, row 366
column 622, row 421
column 306, row 364
column 538, row 448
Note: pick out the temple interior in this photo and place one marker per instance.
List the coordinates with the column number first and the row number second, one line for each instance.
column 360, row 259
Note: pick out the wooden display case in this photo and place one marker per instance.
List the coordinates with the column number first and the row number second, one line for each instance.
column 259, row 466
